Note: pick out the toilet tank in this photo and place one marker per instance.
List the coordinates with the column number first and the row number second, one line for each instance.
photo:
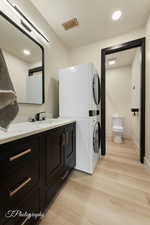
column 117, row 121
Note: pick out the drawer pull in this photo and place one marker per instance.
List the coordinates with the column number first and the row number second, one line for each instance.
column 63, row 139
column 65, row 175
column 26, row 219
column 67, row 138
column 19, row 155
column 12, row 193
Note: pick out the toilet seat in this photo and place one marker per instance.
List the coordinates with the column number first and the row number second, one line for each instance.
column 117, row 129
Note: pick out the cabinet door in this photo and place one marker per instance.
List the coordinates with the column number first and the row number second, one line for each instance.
column 70, row 146
column 21, row 214
column 15, row 188
column 54, row 155
column 53, row 163
column 19, row 174
column 18, row 154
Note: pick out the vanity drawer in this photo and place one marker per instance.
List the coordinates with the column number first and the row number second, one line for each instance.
column 16, row 154
column 30, row 206
column 14, row 188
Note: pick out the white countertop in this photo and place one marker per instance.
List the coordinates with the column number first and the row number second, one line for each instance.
column 21, row 130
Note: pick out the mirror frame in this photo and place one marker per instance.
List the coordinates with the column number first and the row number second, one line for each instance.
column 43, row 55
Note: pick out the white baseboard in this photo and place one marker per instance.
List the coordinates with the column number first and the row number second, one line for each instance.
column 147, row 163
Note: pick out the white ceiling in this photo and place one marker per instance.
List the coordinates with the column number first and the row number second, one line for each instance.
column 94, row 17
column 123, row 58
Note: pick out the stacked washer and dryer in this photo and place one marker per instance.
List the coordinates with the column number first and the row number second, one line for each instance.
column 79, row 99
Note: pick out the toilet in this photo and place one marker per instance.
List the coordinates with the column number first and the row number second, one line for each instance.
column 117, row 129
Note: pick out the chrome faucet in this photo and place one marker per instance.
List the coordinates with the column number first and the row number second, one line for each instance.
column 40, row 116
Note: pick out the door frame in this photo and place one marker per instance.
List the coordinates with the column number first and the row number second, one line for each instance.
column 106, row 51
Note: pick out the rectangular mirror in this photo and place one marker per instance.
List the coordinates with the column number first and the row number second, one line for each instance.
column 24, row 58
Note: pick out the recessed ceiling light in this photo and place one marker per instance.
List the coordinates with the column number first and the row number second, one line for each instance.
column 112, row 62
column 26, row 52
column 116, row 15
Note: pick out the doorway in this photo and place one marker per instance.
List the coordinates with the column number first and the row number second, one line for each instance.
column 139, row 43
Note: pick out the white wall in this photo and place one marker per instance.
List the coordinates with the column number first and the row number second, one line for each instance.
column 147, row 159
column 17, row 69
column 92, row 52
column 135, row 96
column 28, row 88
column 34, row 85
column 123, row 93
column 56, row 56
column 34, row 88
column 118, row 97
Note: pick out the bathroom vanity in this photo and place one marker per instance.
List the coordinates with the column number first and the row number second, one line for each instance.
column 35, row 161
column 36, row 158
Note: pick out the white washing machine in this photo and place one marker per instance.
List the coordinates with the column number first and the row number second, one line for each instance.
column 87, row 144
column 79, row 99
column 79, row 91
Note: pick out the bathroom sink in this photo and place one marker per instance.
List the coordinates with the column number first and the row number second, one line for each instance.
column 24, row 129
column 19, row 129
column 49, row 121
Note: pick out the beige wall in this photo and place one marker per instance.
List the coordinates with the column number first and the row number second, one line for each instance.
column 148, row 93
column 17, row 67
column 122, row 94
column 92, row 52
column 135, row 96
column 56, row 56
column 27, row 88
column 118, row 97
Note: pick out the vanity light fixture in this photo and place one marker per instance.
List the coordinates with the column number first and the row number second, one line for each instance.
column 23, row 17
column 112, row 62
column 26, row 52
column 116, row 15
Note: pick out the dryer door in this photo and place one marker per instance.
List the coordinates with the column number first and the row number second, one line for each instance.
column 96, row 89
column 96, row 137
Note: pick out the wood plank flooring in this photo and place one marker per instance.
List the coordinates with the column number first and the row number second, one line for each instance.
column 117, row 194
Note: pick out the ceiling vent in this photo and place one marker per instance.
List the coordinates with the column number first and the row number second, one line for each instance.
column 70, row 24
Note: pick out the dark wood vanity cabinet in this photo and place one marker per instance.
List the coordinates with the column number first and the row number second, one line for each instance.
column 60, row 157
column 69, row 148
column 54, row 154
column 53, row 162
column 19, row 179
column 32, row 170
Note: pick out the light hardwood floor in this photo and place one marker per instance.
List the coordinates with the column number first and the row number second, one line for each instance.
column 117, row 194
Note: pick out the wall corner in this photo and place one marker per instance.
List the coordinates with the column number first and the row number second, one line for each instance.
column 147, row 163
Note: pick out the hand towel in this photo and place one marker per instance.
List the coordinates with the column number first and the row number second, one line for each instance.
column 8, row 99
